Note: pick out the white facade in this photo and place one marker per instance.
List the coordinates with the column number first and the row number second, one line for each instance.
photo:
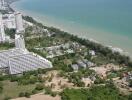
column 6, row 54
column 3, row 5
column 92, row 52
column 17, row 61
column 27, row 62
column 2, row 31
column 19, row 23
column 9, row 21
column 19, row 41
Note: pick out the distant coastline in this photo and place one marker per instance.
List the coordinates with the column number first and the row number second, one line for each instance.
column 63, row 29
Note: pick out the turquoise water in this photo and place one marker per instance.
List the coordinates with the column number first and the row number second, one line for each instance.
column 107, row 21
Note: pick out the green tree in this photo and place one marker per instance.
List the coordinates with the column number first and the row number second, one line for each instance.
column 39, row 87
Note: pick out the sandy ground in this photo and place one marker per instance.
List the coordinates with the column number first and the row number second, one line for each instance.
column 39, row 96
column 57, row 83
column 87, row 81
column 103, row 69
column 100, row 71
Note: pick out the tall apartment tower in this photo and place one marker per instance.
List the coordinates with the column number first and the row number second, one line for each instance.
column 19, row 41
column 19, row 23
column 2, row 4
column 2, row 31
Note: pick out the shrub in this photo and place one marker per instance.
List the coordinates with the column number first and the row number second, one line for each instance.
column 39, row 87
column 33, row 79
column 130, row 83
column 27, row 94
column 53, row 94
column 1, row 87
column 1, row 78
column 98, row 80
column 34, row 91
column 13, row 78
column 7, row 98
column 21, row 94
column 47, row 90
column 80, row 84
column 130, row 97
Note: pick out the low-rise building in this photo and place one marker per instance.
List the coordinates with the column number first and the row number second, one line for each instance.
column 81, row 64
column 9, row 21
column 75, row 67
column 92, row 52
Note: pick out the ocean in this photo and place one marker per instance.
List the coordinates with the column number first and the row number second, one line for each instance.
column 107, row 21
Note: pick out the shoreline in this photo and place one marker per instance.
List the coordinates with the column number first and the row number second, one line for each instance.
column 39, row 19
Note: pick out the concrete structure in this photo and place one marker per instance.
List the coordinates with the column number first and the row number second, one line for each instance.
column 75, row 67
column 19, row 23
column 3, row 5
column 9, row 21
column 81, row 64
column 27, row 62
column 88, row 63
column 92, row 52
column 2, row 31
column 17, row 61
column 19, row 41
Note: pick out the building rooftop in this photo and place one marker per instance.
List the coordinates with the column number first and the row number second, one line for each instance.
column 27, row 62
column 6, row 54
column 75, row 67
column 18, row 61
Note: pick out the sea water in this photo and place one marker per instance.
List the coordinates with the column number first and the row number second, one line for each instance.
column 107, row 21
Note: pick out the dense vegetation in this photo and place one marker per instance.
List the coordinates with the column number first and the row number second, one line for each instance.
column 108, row 92
column 5, row 46
column 104, row 52
column 10, row 32
column 1, row 87
column 30, row 77
column 23, row 85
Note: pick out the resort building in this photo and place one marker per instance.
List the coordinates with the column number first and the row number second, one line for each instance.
column 75, row 67
column 92, row 52
column 19, row 23
column 19, row 60
column 9, row 21
column 2, row 32
column 81, row 64
column 3, row 5
column 19, row 41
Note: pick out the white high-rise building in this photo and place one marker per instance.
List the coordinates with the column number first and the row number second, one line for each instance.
column 19, row 23
column 2, row 5
column 9, row 21
column 2, row 31
column 19, row 41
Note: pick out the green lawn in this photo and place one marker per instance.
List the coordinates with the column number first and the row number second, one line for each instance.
column 12, row 89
